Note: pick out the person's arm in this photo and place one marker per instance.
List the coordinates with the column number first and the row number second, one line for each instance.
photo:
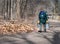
column 46, row 17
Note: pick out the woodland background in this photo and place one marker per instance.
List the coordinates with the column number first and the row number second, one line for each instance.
column 28, row 10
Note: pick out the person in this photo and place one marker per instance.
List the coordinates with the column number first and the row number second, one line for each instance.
column 42, row 20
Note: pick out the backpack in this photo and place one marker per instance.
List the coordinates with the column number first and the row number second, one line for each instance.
column 42, row 16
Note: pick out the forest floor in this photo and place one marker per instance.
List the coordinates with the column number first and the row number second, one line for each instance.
column 52, row 36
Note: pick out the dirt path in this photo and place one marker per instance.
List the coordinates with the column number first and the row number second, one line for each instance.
column 50, row 37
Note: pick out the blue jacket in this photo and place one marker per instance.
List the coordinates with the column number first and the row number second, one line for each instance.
column 42, row 17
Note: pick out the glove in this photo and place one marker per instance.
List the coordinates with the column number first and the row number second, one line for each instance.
column 38, row 22
column 47, row 21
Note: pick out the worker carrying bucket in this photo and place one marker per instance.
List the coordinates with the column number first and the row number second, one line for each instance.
column 43, row 18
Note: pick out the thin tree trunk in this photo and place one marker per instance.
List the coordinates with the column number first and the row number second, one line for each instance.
column 18, row 10
column 6, row 15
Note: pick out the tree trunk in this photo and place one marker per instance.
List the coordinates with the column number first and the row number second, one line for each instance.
column 18, row 10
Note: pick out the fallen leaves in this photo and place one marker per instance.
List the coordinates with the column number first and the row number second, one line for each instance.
column 16, row 28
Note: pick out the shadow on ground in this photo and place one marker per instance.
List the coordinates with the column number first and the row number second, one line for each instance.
column 55, row 39
column 15, row 39
column 33, row 38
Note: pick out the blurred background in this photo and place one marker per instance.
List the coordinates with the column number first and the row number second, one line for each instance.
column 28, row 10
